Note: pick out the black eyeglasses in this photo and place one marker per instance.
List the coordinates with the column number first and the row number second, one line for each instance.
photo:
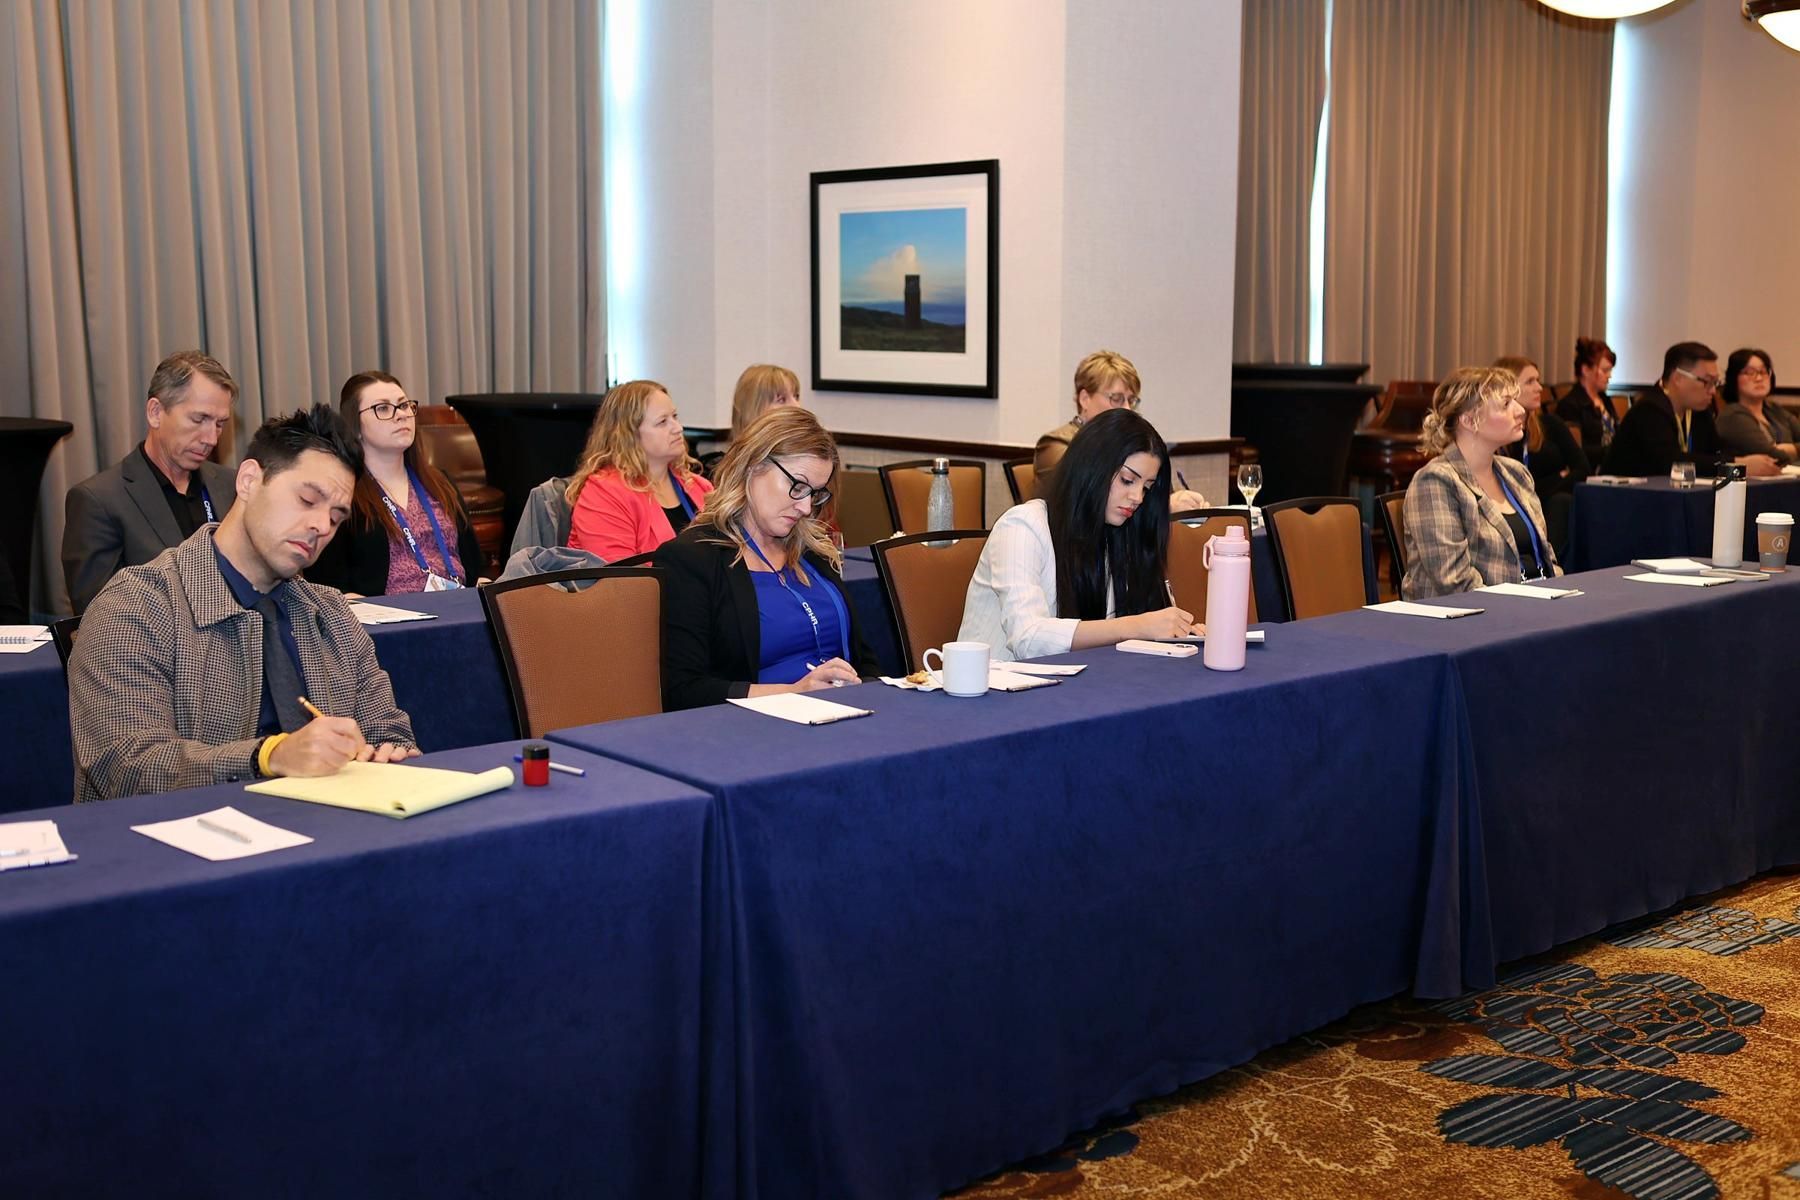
column 386, row 412
column 799, row 489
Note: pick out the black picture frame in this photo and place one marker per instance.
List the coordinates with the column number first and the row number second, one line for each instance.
column 972, row 371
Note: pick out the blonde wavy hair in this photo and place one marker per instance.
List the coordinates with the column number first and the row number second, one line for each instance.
column 1093, row 372
column 787, row 432
column 758, row 385
column 613, row 440
column 1467, row 390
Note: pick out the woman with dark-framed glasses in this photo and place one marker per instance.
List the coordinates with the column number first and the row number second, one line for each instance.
column 409, row 530
column 753, row 595
column 1751, row 422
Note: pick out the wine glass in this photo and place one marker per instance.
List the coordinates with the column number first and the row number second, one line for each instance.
column 1250, row 482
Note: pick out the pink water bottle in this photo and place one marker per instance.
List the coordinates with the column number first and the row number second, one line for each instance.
column 1227, row 562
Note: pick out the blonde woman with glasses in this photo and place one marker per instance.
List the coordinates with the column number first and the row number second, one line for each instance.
column 1104, row 380
column 1472, row 515
column 753, row 591
column 636, row 487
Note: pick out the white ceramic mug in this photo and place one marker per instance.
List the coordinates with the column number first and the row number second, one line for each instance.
column 964, row 667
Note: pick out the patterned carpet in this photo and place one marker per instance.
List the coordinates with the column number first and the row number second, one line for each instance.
column 1659, row 1061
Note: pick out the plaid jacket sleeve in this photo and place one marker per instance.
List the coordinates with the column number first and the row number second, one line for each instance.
column 1439, row 561
column 133, row 728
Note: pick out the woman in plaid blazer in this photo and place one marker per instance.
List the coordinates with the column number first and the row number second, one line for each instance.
column 1472, row 516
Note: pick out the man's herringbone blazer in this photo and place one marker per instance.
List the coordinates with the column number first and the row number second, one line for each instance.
column 1456, row 537
column 165, row 682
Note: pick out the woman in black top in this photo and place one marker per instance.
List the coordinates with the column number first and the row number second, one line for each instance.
column 1586, row 407
column 1551, row 453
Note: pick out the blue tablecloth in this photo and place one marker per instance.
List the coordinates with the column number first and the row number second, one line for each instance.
column 963, row 928
column 1634, row 746
column 446, row 676
column 505, row 997
column 1611, row 524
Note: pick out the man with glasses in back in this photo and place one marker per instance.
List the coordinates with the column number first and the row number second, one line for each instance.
column 162, row 491
column 1674, row 421
column 1104, row 379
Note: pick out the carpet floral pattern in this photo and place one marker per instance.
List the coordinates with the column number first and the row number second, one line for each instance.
column 1659, row 1061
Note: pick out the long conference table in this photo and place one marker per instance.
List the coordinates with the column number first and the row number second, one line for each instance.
column 886, row 956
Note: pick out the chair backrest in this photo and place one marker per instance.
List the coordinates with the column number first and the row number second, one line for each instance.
column 862, row 509
column 450, row 447
column 1317, row 542
column 1391, row 508
column 62, row 633
column 1188, row 534
column 907, row 486
column 575, row 658
column 926, row 585
column 1021, row 477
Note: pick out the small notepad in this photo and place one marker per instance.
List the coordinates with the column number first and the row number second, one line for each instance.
column 801, row 709
column 31, row 844
column 1031, row 668
column 23, row 639
column 222, row 834
column 381, row 614
column 1684, row 580
column 1407, row 608
column 391, row 789
column 1672, row 566
column 1529, row 592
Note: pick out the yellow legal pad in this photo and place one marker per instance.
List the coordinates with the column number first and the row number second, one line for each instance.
column 391, row 789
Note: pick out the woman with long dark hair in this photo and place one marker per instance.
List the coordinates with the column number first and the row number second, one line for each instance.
column 408, row 529
column 1085, row 564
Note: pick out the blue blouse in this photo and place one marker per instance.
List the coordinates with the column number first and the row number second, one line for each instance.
column 789, row 638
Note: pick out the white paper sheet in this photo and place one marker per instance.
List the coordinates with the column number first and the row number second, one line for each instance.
column 1618, row 480
column 1254, row 637
column 23, row 639
column 1407, row 608
column 1684, row 580
column 1031, row 668
column 210, row 835
column 1672, row 566
column 31, row 844
column 1002, row 677
column 381, row 614
column 801, row 709
column 1530, row 592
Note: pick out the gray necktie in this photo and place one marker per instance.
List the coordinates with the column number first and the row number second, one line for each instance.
column 279, row 673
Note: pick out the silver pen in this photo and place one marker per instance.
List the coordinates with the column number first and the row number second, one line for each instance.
column 215, row 827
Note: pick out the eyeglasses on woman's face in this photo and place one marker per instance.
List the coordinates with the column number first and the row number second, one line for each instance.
column 799, row 489
column 385, row 411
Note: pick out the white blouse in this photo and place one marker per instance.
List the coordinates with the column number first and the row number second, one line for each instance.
column 1011, row 603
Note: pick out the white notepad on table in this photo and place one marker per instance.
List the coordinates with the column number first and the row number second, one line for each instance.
column 31, row 844
column 23, row 639
column 1673, row 566
column 1407, row 608
column 391, row 789
column 222, row 834
column 1683, row 580
column 801, row 709
column 1530, row 592
column 1032, row 668
column 381, row 614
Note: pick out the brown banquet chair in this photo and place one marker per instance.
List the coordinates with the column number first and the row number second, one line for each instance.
column 907, row 486
column 1188, row 535
column 1317, row 542
column 926, row 586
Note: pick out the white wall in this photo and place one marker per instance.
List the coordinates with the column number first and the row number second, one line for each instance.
column 1115, row 123
column 1706, row 187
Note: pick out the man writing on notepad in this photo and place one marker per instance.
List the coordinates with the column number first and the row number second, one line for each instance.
column 203, row 665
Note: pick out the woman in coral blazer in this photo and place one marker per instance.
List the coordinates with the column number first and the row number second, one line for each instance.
column 636, row 487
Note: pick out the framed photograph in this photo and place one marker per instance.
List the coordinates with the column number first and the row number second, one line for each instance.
column 906, row 280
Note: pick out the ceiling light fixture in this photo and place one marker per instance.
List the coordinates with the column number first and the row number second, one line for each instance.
column 1605, row 9
column 1780, row 19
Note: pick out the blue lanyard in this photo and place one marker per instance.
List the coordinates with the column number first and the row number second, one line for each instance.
column 412, row 543
column 1537, row 547
column 681, row 496
column 206, row 500
column 837, row 602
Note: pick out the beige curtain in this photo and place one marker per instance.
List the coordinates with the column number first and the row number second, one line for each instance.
column 1283, row 93
column 1466, row 184
column 304, row 188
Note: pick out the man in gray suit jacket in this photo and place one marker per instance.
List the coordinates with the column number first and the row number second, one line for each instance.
column 163, row 490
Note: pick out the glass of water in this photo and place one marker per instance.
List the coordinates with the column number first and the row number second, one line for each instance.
column 1681, row 475
column 1249, row 481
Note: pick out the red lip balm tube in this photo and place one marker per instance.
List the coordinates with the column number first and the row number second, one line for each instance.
column 536, row 764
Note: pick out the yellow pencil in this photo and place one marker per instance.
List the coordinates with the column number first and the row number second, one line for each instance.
column 310, row 707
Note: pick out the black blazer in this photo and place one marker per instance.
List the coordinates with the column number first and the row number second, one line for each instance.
column 1558, row 453
column 1577, row 411
column 1649, row 442
column 356, row 559
column 712, row 636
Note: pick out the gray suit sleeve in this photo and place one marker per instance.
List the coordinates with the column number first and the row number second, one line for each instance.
column 93, row 546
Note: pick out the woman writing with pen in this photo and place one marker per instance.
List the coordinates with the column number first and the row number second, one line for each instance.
column 753, row 599
column 1085, row 564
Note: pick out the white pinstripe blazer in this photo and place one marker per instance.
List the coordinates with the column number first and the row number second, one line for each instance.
column 165, row 682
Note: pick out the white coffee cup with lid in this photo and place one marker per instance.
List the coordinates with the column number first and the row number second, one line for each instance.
column 1774, row 534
